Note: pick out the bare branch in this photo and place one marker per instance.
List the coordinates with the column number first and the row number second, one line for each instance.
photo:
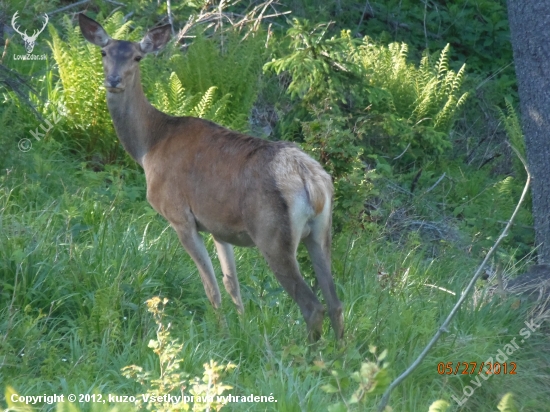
column 435, row 184
column 404, row 151
column 70, row 6
column 170, row 20
column 20, row 86
column 215, row 17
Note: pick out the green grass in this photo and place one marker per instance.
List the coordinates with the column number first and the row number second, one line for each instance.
column 81, row 251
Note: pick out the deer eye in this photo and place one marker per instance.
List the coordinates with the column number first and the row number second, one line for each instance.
column 103, row 53
column 138, row 58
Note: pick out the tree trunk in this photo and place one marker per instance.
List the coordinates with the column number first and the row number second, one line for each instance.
column 530, row 35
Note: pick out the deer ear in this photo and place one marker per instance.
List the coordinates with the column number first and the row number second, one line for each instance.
column 92, row 31
column 156, row 39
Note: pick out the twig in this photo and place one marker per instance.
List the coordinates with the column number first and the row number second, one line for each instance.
column 443, row 327
column 6, row 44
column 440, row 288
column 397, row 187
column 170, row 20
column 404, row 151
column 14, row 81
column 489, row 160
column 435, row 184
column 425, row 14
column 363, row 15
column 215, row 17
column 116, row 3
column 70, row 6
column 428, row 226
column 415, row 180
column 80, row 3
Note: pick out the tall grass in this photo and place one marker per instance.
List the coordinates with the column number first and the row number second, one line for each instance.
column 81, row 251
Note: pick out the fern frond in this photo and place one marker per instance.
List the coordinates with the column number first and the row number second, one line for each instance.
column 442, row 66
column 204, row 104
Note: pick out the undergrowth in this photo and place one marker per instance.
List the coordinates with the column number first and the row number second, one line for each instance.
column 81, row 254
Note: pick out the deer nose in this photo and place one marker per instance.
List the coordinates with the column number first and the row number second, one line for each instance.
column 113, row 81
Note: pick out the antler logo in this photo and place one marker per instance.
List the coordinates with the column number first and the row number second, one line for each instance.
column 29, row 40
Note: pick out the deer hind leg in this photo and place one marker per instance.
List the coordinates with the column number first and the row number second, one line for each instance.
column 318, row 244
column 230, row 280
column 280, row 253
column 193, row 244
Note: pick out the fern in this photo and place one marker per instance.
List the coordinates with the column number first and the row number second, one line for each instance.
column 105, row 316
column 442, row 65
column 411, row 109
column 512, row 125
column 233, row 71
column 81, row 77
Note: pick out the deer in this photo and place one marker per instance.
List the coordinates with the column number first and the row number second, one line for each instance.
column 243, row 190
column 29, row 40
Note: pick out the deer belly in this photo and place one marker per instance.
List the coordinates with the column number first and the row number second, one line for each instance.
column 234, row 236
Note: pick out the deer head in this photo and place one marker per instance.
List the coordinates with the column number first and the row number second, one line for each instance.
column 29, row 40
column 120, row 57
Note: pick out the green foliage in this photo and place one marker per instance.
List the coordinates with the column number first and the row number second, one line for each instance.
column 406, row 105
column 431, row 93
column 414, row 107
column 16, row 119
column 513, row 129
column 507, row 404
column 372, row 379
column 170, row 97
column 479, row 204
column 339, row 151
column 375, row 105
column 317, row 66
column 475, row 29
column 227, row 68
column 170, row 379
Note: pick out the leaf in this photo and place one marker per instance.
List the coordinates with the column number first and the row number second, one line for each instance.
column 507, row 403
column 382, row 381
column 17, row 255
column 337, row 407
column 328, row 388
column 439, row 406
column 15, row 406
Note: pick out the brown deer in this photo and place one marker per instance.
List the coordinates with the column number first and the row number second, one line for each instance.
column 243, row 190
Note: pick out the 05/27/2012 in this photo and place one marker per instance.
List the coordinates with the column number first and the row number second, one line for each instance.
column 469, row 368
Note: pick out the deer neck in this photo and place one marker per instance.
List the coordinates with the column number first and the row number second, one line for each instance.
column 137, row 123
